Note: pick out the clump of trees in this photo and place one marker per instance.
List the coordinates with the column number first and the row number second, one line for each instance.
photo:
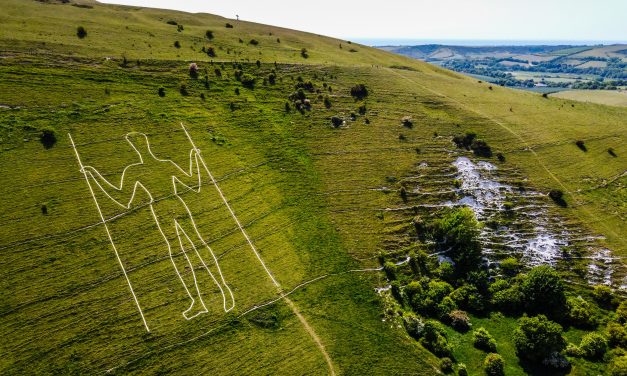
column 469, row 141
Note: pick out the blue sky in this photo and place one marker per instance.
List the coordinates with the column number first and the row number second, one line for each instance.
column 529, row 20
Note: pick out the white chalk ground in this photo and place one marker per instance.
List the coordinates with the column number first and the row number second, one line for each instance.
column 541, row 244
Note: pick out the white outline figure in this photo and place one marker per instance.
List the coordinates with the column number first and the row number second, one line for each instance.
column 102, row 182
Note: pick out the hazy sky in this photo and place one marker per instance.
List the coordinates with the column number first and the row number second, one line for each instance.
column 589, row 20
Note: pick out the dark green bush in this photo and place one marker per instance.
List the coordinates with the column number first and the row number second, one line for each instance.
column 327, row 102
column 81, row 32
column 177, row 44
column 228, row 25
column 183, row 90
column 254, row 42
column 336, row 121
column 543, row 290
column 537, row 337
column 481, row 148
column 616, row 334
column 407, row 122
column 359, row 91
column 581, row 145
column 209, row 34
column 482, row 340
column 48, row 138
column 580, row 312
column 593, row 345
column 458, row 233
column 446, row 365
column 494, row 365
column 161, row 92
column 558, row 197
column 304, row 53
column 248, row 80
column 211, row 52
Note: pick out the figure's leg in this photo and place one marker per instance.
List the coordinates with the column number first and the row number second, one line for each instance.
column 180, row 262
column 228, row 300
column 198, row 305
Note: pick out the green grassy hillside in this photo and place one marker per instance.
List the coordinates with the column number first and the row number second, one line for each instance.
column 319, row 202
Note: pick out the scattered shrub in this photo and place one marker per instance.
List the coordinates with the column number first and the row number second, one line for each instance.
column 177, row 44
column 481, row 148
column 581, row 145
column 288, row 108
column 482, row 340
column 510, row 300
column 211, row 52
column 236, row 91
column 459, row 320
column 278, row 40
column 171, row 22
column 336, row 121
column 362, row 109
column 179, row 28
column 407, row 122
column 218, row 72
column 183, row 90
column 558, row 197
column 390, row 270
column 537, row 337
column 272, row 78
column 193, row 70
column 209, row 34
column 228, row 25
column 48, row 138
column 248, row 80
column 254, row 42
column 494, row 365
column 573, row 350
column 464, row 141
column 359, row 91
column 304, row 53
column 161, row 92
column 434, row 339
column 327, row 102
column 500, row 157
column 593, row 345
column 81, row 32
column 44, row 209
column 611, row 152
column 446, row 365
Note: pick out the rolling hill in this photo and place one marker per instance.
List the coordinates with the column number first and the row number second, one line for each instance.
column 309, row 181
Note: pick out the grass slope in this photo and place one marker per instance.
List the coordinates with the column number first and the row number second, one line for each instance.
column 309, row 195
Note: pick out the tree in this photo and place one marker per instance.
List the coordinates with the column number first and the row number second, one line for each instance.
column 616, row 334
column 621, row 312
column 359, row 91
column 209, row 34
column 543, row 291
column 510, row 267
column 48, row 138
column 537, row 337
column 494, row 365
column 458, row 233
column 580, row 312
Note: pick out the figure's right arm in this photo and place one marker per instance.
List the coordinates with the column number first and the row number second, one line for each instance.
column 119, row 194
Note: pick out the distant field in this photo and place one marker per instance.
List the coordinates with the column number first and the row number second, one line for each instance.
column 608, row 97
column 552, row 77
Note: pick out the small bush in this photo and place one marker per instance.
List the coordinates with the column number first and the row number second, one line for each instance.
column 500, row 157
column 211, row 52
column 218, row 72
column 611, row 152
column 459, row 320
column 359, row 91
column 434, row 339
column 183, row 90
column 171, row 22
column 48, row 138
column 228, row 25
column 81, row 32
column 621, row 312
column 446, row 365
column 177, row 44
column 254, row 42
column 248, row 80
column 482, row 340
column 573, row 350
column 193, row 70
column 616, row 334
column 336, row 121
column 161, row 92
column 494, row 365
column 558, row 197
column 272, row 78
column 362, row 109
column 413, row 325
column 44, row 209
column 462, row 370
column 593, row 345
column 407, row 122
column 481, row 148
column 464, row 141
column 209, row 34
column 510, row 267
column 288, row 108
column 390, row 270
column 536, row 338
column 327, row 102
column 179, row 28
column 581, row 145
column 580, row 312
column 618, row 367
column 544, row 291
column 303, row 53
